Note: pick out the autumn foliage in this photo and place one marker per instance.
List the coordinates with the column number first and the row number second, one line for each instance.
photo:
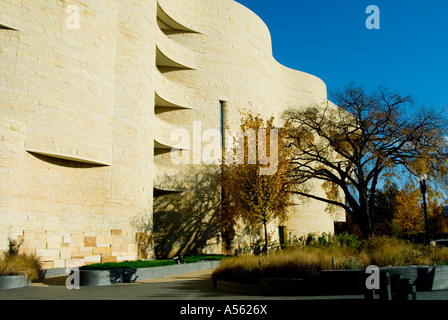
column 250, row 191
column 409, row 222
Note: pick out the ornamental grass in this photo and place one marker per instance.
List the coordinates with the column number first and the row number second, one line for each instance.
column 21, row 264
column 309, row 259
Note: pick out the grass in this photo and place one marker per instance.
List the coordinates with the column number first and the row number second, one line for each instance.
column 21, row 264
column 310, row 258
column 149, row 263
column 29, row 265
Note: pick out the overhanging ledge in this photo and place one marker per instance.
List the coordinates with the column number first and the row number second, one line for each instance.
column 69, row 157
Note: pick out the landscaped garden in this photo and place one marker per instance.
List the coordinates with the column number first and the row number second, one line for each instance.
column 305, row 258
column 150, row 263
column 30, row 265
column 308, row 258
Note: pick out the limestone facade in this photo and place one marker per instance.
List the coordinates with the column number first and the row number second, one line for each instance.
column 88, row 111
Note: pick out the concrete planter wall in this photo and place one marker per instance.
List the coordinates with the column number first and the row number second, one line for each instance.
column 108, row 277
column 341, row 282
column 425, row 278
column 11, row 282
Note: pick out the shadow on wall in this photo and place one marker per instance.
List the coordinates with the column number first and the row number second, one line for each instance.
column 189, row 221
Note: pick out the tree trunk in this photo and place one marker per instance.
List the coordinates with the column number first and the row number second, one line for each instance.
column 266, row 237
column 365, row 223
column 368, row 231
column 364, row 205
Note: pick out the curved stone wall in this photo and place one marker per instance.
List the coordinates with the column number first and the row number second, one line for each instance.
column 86, row 115
column 235, row 64
column 76, row 166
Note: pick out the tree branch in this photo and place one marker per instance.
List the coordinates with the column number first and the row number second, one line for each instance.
column 336, row 203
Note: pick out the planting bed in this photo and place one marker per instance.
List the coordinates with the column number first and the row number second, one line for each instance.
column 113, row 276
column 340, row 282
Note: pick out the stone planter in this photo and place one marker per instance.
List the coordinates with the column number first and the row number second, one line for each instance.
column 108, row 277
column 11, row 282
column 341, row 282
column 425, row 278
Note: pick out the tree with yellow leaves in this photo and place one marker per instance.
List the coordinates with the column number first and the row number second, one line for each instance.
column 255, row 175
column 409, row 221
column 408, row 218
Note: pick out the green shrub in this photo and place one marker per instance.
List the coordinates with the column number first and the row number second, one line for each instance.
column 348, row 240
column 148, row 263
column 127, row 265
column 311, row 239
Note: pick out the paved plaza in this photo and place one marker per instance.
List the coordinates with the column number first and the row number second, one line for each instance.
column 193, row 296
column 189, row 286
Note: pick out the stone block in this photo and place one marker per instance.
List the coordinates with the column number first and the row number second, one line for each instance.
column 103, row 240
column 105, row 259
column 65, row 253
column 116, row 232
column 89, row 241
column 59, row 263
column 92, row 259
column 48, row 264
column 53, row 245
column 47, row 253
column 102, row 250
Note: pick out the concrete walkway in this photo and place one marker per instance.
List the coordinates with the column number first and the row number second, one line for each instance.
column 190, row 286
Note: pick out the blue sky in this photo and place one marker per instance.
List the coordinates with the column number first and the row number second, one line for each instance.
column 329, row 39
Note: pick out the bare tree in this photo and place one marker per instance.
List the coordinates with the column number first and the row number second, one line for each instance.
column 363, row 138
